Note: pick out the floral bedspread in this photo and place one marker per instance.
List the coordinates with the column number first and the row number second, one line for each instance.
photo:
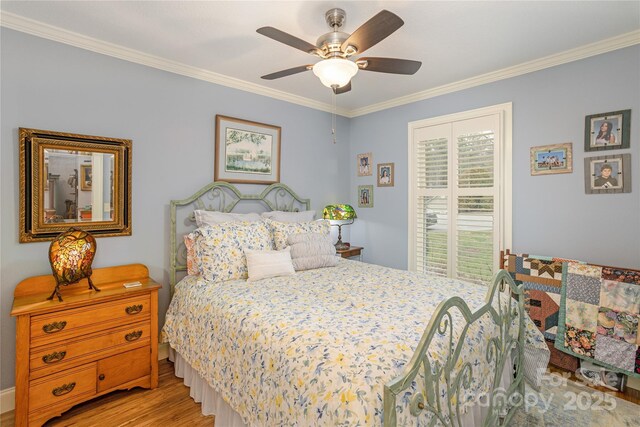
column 316, row 348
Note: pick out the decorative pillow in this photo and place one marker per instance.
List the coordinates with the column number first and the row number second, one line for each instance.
column 282, row 216
column 312, row 250
column 265, row 264
column 204, row 217
column 220, row 248
column 282, row 230
column 192, row 262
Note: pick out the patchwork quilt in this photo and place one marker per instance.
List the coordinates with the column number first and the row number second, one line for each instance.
column 542, row 280
column 598, row 317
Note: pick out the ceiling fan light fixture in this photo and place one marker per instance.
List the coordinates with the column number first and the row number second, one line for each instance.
column 335, row 71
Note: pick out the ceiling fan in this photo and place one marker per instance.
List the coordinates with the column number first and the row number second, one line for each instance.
column 335, row 70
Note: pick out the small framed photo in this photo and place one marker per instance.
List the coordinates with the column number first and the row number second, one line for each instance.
column 85, row 177
column 365, row 196
column 551, row 159
column 607, row 174
column 385, row 174
column 607, row 131
column 246, row 152
column 365, row 164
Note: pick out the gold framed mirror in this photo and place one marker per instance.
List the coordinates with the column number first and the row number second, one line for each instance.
column 73, row 180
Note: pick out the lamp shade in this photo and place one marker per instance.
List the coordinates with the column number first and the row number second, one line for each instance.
column 70, row 256
column 335, row 71
column 339, row 212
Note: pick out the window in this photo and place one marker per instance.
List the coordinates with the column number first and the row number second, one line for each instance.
column 460, row 193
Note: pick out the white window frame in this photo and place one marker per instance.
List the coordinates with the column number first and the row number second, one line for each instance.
column 504, row 228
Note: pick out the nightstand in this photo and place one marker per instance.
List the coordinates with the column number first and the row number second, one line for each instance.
column 353, row 251
column 87, row 345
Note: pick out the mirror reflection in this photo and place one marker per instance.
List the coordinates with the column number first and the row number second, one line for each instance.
column 78, row 187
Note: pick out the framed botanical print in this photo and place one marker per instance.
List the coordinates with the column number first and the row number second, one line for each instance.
column 551, row 159
column 246, row 152
column 365, row 196
column 385, row 174
column 607, row 131
column 365, row 164
column 607, row 174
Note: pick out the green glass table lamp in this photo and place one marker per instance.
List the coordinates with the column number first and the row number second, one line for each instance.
column 340, row 215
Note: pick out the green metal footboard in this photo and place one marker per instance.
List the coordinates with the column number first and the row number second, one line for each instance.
column 457, row 376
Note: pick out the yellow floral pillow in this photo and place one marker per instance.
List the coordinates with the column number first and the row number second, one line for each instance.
column 282, row 230
column 220, row 248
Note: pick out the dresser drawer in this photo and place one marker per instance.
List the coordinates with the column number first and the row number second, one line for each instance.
column 57, row 389
column 70, row 323
column 53, row 357
column 123, row 368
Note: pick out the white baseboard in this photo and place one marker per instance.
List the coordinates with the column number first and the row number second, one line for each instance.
column 163, row 350
column 8, row 399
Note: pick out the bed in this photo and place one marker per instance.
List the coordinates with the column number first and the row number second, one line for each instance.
column 354, row 344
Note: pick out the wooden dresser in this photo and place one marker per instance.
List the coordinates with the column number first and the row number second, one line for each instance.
column 87, row 345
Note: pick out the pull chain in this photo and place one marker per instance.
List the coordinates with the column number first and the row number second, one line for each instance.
column 333, row 115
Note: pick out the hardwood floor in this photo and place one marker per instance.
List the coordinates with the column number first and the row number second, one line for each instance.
column 169, row 404
column 630, row 395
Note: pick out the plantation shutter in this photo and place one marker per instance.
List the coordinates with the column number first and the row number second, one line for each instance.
column 456, row 198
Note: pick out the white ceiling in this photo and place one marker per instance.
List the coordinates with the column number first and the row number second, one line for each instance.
column 454, row 40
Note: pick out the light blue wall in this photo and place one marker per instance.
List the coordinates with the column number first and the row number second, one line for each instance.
column 552, row 215
column 170, row 118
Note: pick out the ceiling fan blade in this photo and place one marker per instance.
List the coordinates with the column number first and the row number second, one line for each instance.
column 287, row 72
column 343, row 89
column 389, row 65
column 288, row 39
column 373, row 31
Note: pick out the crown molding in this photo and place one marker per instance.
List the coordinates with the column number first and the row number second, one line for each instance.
column 39, row 29
column 50, row 32
column 597, row 48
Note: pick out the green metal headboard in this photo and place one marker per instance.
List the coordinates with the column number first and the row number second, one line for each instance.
column 222, row 197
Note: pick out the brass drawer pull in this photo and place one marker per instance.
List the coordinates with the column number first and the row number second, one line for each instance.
column 132, row 336
column 67, row 388
column 54, row 357
column 51, row 328
column 134, row 309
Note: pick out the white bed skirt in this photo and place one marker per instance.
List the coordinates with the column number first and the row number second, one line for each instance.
column 201, row 392
column 213, row 404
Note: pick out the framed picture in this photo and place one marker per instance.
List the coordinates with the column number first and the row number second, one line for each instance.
column 365, row 196
column 385, row 174
column 550, row 159
column 607, row 174
column 607, row 131
column 365, row 164
column 85, row 177
column 246, row 152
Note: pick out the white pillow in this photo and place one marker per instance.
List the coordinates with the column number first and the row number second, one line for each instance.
column 213, row 217
column 282, row 216
column 265, row 264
